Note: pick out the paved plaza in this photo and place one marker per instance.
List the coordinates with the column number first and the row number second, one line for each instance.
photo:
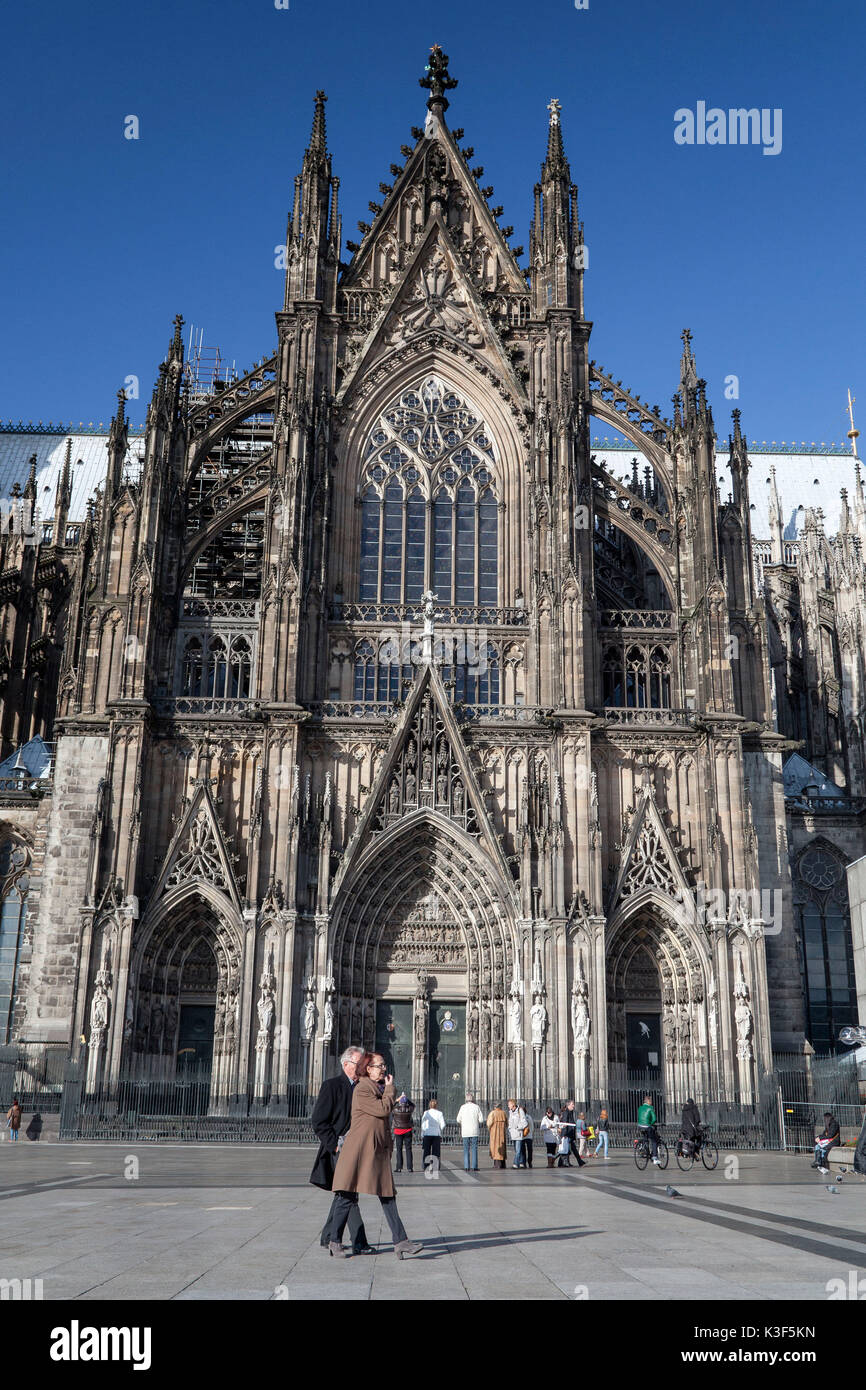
column 241, row 1222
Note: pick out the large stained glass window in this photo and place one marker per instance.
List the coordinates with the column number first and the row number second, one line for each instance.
column 429, row 507
column 827, row 951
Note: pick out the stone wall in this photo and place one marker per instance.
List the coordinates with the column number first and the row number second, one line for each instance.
column 79, row 765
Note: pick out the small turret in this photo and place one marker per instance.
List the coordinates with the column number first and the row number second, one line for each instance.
column 63, row 497
column 314, row 230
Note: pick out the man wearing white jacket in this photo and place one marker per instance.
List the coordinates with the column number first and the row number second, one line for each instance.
column 470, row 1120
column 432, row 1129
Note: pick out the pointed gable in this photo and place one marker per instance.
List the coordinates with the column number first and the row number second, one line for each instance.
column 426, row 768
column 435, row 179
column 433, row 295
column 199, row 851
column 649, row 860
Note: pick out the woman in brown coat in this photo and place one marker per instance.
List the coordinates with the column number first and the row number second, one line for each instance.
column 364, row 1164
column 498, row 1126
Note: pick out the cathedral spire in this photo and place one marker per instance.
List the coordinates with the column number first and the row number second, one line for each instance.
column 312, row 238
column 318, row 145
column 688, row 376
column 556, row 162
column 739, row 462
column 775, row 516
column 30, row 486
column 175, row 352
column 63, row 497
column 555, row 237
column 437, row 80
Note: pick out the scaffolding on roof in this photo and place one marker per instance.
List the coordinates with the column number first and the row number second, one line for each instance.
column 204, row 372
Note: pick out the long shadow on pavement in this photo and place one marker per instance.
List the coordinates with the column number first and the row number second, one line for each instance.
column 470, row 1242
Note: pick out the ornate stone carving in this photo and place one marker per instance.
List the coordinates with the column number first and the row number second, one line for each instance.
column 538, row 1022
column 580, row 1019
column 434, row 298
column 742, row 1014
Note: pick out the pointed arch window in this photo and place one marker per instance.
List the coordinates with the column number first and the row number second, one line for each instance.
column 474, row 674
column 192, row 667
column 826, row 946
column 240, row 669
column 216, row 667
column 14, row 891
column 430, row 514
column 635, row 677
column 378, row 670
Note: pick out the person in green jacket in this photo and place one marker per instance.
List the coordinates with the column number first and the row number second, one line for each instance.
column 646, row 1120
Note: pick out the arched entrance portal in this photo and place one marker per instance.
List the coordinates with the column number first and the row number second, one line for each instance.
column 423, row 952
column 187, row 977
column 658, row 977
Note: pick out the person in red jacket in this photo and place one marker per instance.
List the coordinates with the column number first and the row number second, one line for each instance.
column 401, row 1118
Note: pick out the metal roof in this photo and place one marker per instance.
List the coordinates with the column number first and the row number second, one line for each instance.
column 802, row 479
column 89, row 465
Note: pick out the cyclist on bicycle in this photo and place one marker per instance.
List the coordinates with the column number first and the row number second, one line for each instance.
column 646, row 1123
column 692, row 1131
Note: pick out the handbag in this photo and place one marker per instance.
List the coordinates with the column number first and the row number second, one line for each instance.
column 526, row 1131
column 564, row 1146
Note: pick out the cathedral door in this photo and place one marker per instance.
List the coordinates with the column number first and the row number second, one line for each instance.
column 644, row 1042
column 446, row 1061
column 195, row 1037
column 394, row 1041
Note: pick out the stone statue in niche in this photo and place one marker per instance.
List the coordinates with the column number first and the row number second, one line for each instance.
column 514, row 1019
column 538, row 1021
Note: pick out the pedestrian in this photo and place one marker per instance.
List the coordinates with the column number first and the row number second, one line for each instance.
column 401, row 1118
column 550, row 1134
column 470, row 1119
column 13, row 1116
column 690, row 1127
column 527, row 1136
column 603, row 1130
column 364, row 1164
column 582, row 1134
column 331, row 1118
column 517, row 1132
column 646, row 1121
column 568, row 1124
column 825, row 1141
column 497, row 1123
column 432, row 1129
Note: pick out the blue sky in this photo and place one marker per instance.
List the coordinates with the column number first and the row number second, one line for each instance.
column 105, row 239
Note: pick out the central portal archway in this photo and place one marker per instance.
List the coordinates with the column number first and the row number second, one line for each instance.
column 423, row 950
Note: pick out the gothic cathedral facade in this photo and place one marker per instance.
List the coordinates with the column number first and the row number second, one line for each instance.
column 387, row 715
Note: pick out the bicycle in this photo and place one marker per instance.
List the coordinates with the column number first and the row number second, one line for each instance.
column 642, row 1153
column 688, row 1150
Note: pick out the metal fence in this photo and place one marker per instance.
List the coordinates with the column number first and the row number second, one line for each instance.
column 34, row 1072
column 155, row 1102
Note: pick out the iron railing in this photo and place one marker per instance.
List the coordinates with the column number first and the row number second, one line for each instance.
column 155, row 1101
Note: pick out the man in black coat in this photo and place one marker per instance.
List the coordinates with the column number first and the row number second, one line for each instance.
column 332, row 1115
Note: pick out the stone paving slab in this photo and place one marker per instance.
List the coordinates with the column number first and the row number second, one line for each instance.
column 233, row 1223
